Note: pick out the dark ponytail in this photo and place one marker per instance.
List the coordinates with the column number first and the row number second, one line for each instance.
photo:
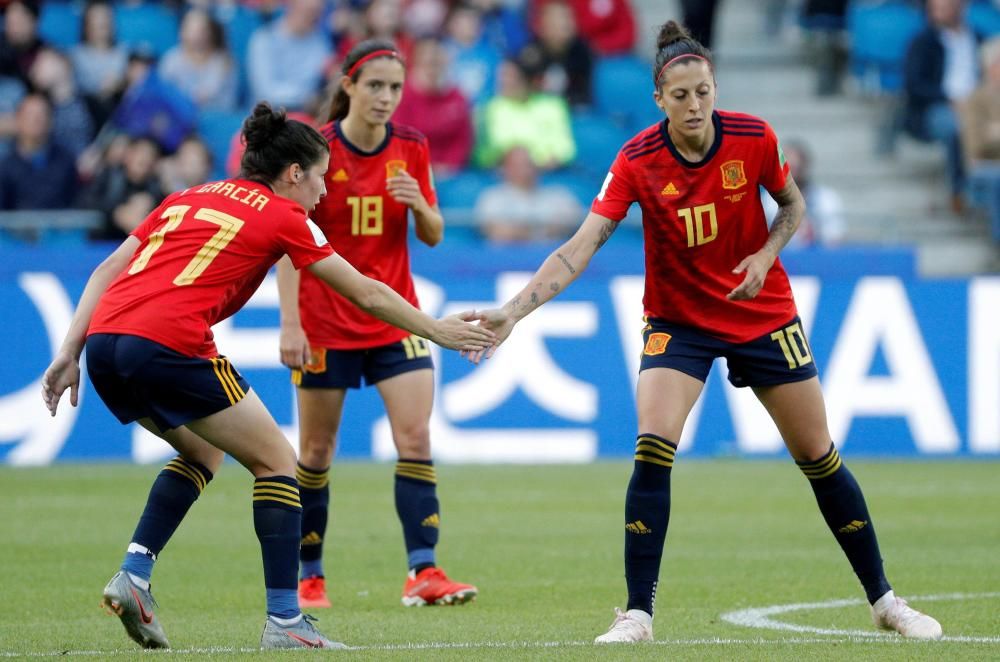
column 339, row 104
column 674, row 41
column 274, row 142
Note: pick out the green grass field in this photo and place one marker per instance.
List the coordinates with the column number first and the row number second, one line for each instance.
column 544, row 545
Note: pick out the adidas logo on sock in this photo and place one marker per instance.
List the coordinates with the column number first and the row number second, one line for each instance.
column 853, row 527
column 638, row 527
column 312, row 538
column 432, row 520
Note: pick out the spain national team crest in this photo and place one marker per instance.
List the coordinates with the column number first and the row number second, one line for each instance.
column 394, row 167
column 733, row 175
column 656, row 343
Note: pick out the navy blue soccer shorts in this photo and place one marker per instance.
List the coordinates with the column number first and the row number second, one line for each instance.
column 138, row 378
column 345, row 368
column 780, row 357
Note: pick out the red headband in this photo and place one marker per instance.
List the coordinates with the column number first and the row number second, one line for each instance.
column 385, row 52
column 670, row 62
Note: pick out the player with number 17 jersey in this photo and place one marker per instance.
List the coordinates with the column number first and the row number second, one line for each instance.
column 204, row 252
column 699, row 225
column 369, row 229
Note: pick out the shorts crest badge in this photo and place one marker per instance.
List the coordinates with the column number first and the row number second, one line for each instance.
column 656, row 343
column 733, row 175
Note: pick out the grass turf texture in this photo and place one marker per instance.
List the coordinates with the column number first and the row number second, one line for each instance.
column 544, row 546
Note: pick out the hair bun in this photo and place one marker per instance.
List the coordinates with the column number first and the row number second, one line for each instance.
column 670, row 32
column 263, row 125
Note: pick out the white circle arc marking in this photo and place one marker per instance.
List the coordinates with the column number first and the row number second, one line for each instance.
column 761, row 617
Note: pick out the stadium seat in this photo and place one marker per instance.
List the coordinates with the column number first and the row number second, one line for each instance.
column 60, row 22
column 880, row 33
column 583, row 186
column 217, row 128
column 461, row 189
column 598, row 140
column 239, row 23
column 984, row 17
column 148, row 26
column 623, row 89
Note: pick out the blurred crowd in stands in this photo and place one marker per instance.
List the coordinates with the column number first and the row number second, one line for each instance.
column 109, row 106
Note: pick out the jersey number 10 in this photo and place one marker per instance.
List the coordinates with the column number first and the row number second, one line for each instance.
column 695, row 222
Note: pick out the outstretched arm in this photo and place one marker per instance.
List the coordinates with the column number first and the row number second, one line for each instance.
column 64, row 371
column 380, row 300
column 293, row 343
column 556, row 273
column 791, row 208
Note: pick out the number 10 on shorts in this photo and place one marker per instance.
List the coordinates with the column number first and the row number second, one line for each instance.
column 793, row 345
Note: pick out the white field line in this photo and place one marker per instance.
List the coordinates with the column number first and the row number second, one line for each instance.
column 760, row 617
column 755, row 617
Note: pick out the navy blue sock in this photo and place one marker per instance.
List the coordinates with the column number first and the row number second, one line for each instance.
column 843, row 507
column 314, row 490
column 417, row 507
column 647, row 513
column 277, row 520
column 175, row 489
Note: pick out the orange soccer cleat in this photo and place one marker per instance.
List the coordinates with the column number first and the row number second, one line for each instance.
column 432, row 587
column 312, row 593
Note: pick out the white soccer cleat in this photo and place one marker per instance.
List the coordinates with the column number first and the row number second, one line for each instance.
column 628, row 627
column 892, row 613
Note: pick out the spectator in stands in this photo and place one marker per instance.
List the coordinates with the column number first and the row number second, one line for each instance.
column 190, row 165
column 287, row 57
column 424, row 18
column 152, row 107
column 12, row 90
column 825, row 22
column 99, row 61
column 436, row 107
column 521, row 115
column 382, row 19
column 699, row 18
column 939, row 72
column 126, row 192
column 981, row 136
column 565, row 60
column 20, row 42
column 37, row 173
column 504, row 26
column 72, row 124
column 473, row 60
column 823, row 223
column 520, row 210
column 200, row 65
column 608, row 26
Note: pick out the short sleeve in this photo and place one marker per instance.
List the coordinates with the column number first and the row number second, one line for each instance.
column 617, row 192
column 302, row 239
column 774, row 167
column 422, row 173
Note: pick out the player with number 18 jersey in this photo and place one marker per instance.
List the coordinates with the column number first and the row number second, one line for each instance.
column 700, row 220
column 369, row 229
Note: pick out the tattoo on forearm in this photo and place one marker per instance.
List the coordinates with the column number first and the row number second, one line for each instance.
column 782, row 228
column 569, row 267
column 534, row 299
column 554, row 286
column 607, row 230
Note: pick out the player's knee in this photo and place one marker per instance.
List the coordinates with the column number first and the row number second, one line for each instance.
column 211, row 458
column 413, row 441
column 316, row 450
column 275, row 459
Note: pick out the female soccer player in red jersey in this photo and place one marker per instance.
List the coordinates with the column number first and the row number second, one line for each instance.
column 146, row 316
column 714, row 288
column 379, row 171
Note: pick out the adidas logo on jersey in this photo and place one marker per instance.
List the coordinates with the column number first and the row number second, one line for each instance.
column 432, row 520
column 670, row 189
column 340, row 176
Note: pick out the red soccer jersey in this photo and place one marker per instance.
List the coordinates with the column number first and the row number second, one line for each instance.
column 700, row 220
column 368, row 228
column 204, row 252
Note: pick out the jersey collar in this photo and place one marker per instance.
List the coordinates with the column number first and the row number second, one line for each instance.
column 716, row 144
column 357, row 150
